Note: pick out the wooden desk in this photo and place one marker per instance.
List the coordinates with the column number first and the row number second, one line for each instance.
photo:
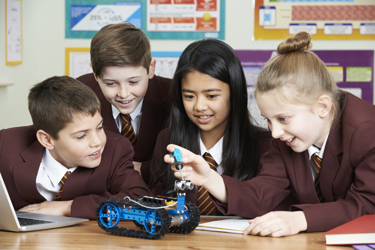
column 88, row 235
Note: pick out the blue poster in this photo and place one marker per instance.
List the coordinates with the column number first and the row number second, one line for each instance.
column 85, row 18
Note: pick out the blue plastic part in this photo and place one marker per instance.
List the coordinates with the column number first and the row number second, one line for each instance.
column 152, row 220
column 180, row 203
column 177, row 155
column 112, row 217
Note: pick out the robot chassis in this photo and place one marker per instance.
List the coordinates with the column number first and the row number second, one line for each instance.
column 154, row 216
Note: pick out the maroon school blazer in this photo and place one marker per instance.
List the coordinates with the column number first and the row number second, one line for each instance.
column 20, row 158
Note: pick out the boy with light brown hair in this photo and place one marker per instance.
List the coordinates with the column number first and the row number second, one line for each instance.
column 135, row 102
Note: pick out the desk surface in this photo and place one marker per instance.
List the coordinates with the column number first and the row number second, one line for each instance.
column 88, row 235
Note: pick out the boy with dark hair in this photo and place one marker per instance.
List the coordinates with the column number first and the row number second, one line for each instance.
column 66, row 164
column 134, row 100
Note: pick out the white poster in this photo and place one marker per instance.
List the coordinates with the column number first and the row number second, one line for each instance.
column 13, row 32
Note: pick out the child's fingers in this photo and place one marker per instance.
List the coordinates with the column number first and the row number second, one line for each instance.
column 186, row 154
column 266, row 225
column 249, row 229
column 168, row 159
column 255, row 225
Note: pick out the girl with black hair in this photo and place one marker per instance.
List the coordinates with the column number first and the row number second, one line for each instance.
column 209, row 114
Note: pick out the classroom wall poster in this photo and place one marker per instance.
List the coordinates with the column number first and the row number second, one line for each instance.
column 77, row 62
column 185, row 19
column 352, row 70
column 13, row 33
column 166, row 62
column 83, row 18
column 324, row 20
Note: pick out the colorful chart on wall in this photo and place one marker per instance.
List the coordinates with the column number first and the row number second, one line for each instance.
column 351, row 69
column 323, row 19
column 185, row 19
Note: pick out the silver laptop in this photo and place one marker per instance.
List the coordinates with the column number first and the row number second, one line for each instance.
column 11, row 220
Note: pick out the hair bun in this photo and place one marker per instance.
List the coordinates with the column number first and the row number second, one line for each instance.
column 300, row 42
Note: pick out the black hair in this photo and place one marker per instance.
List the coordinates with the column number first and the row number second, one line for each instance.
column 240, row 146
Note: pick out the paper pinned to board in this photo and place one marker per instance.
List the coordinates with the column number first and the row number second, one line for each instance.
column 237, row 226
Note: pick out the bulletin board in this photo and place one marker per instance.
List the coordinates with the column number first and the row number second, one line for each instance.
column 323, row 19
column 159, row 19
column 353, row 71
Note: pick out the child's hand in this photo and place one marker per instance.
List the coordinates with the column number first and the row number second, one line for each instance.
column 195, row 169
column 62, row 208
column 277, row 224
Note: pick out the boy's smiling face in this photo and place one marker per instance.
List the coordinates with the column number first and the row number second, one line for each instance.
column 81, row 142
column 125, row 86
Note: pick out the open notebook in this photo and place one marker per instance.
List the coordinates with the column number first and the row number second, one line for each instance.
column 236, row 226
column 11, row 220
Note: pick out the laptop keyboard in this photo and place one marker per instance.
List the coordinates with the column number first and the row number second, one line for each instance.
column 28, row 222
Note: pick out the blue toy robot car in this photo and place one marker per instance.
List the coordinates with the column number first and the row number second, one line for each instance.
column 156, row 216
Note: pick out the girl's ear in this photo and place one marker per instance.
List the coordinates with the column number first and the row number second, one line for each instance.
column 45, row 139
column 324, row 106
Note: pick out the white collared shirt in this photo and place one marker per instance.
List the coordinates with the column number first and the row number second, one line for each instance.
column 216, row 152
column 49, row 175
column 312, row 150
column 136, row 117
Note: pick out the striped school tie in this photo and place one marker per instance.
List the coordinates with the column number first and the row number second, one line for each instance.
column 62, row 181
column 127, row 129
column 317, row 161
column 204, row 202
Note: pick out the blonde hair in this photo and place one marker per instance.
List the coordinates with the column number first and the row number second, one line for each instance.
column 298, row 74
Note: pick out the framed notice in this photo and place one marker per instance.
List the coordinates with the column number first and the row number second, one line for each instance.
column 13, row 31
column 77, row 62
column 324, row 20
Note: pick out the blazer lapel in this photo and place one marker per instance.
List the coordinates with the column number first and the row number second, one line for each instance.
column 25, row 173
column 109, row 122
column 150, row 125
column 75, row 185
column 331, row 161
column 304, row 183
